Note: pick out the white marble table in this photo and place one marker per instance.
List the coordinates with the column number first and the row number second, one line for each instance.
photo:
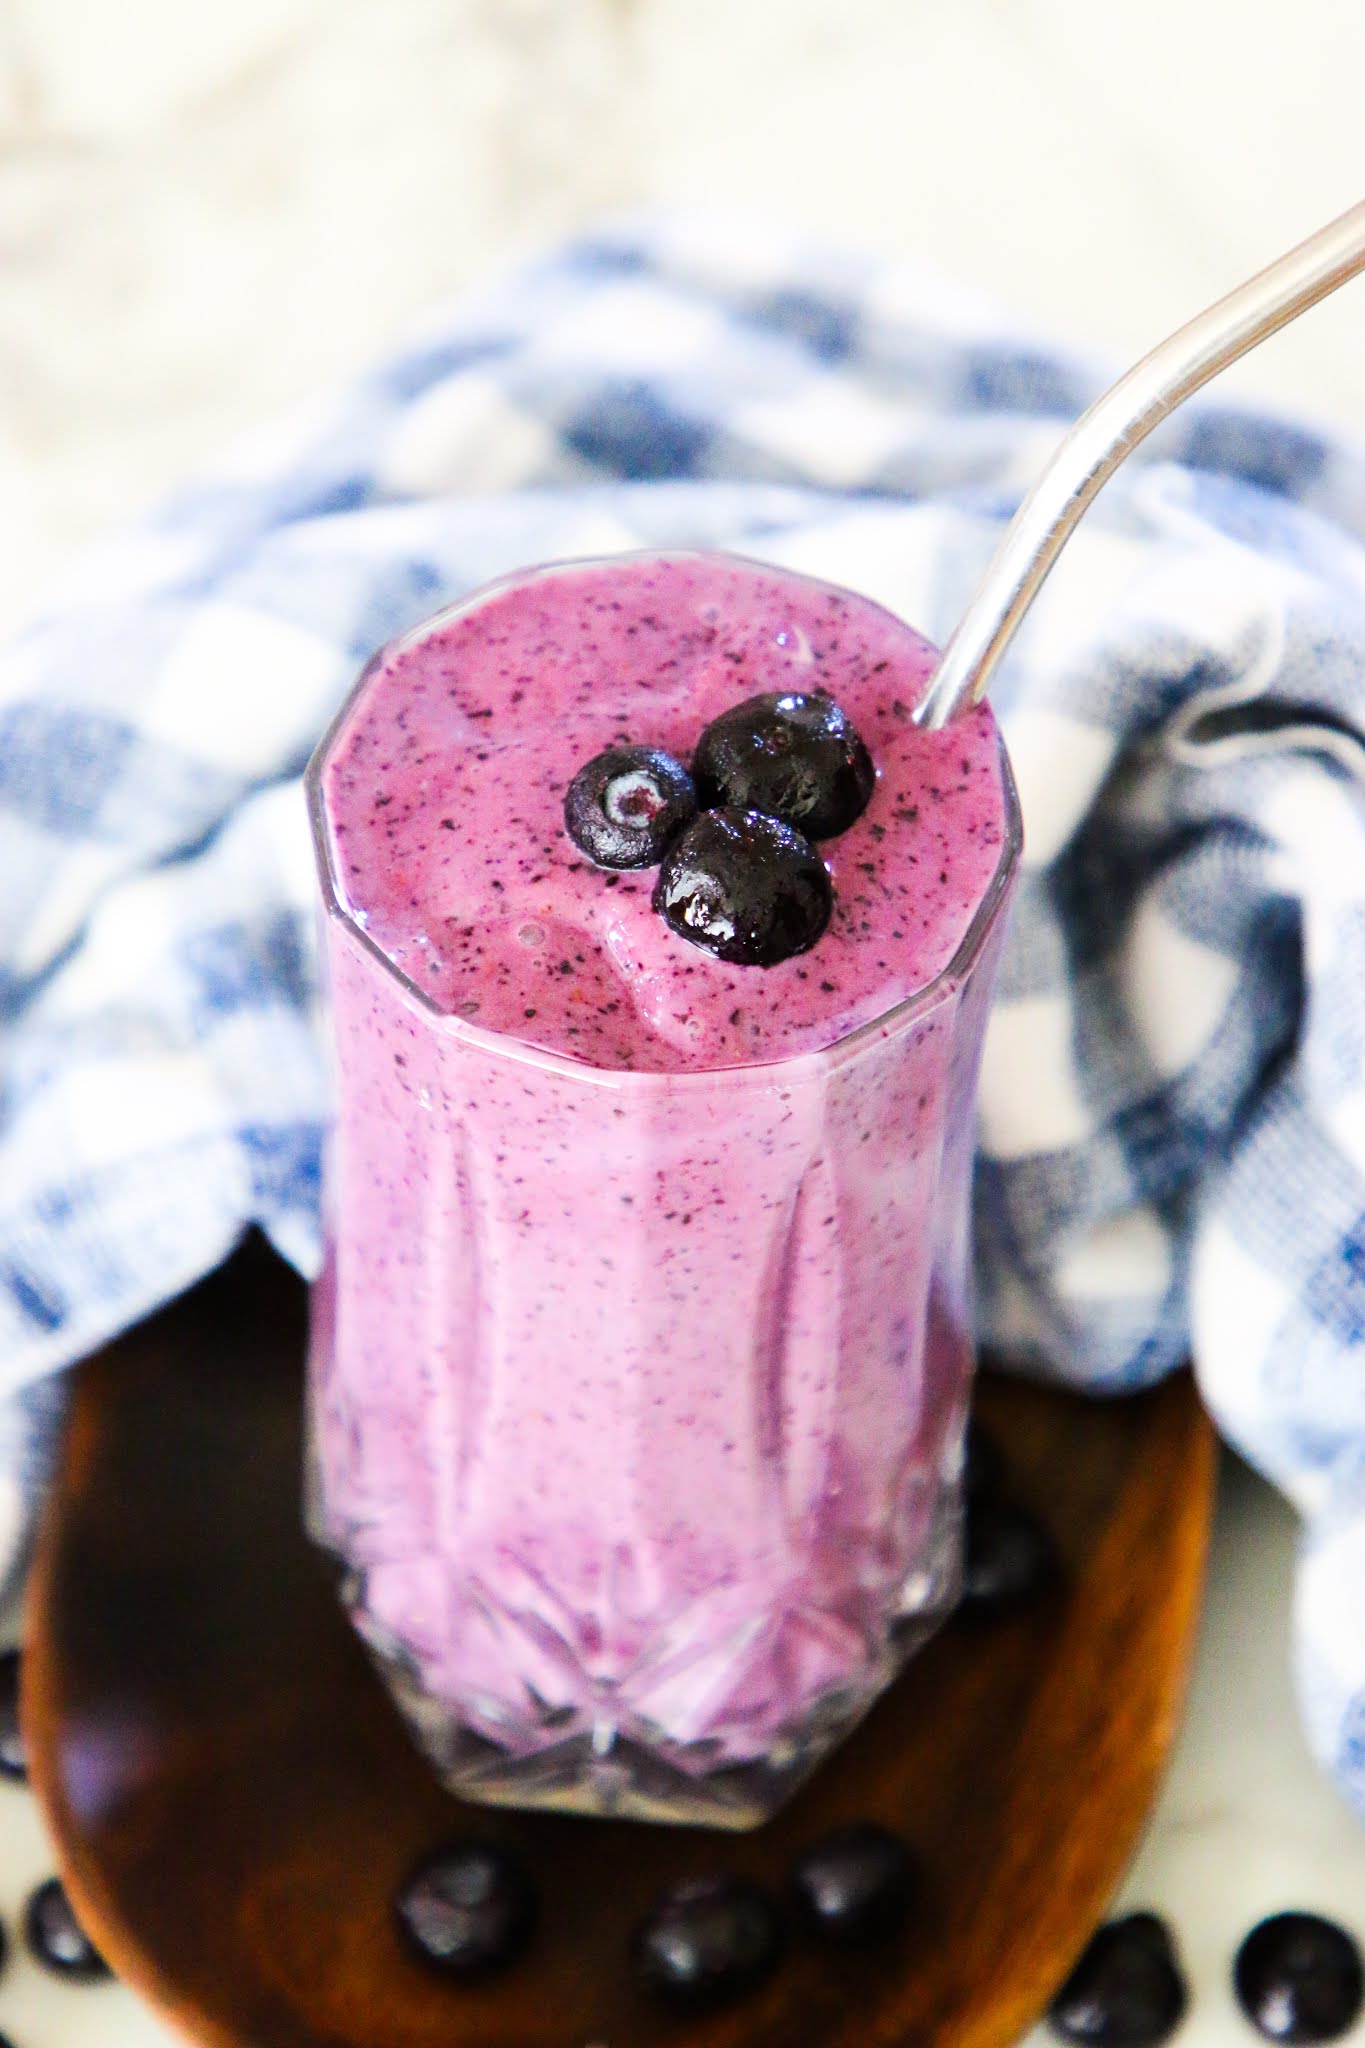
column 205, row 212
column 1246, row 1825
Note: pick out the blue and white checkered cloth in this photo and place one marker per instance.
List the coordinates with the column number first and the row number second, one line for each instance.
column 1173, row 1100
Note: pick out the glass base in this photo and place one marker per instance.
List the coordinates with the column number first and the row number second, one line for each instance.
column 580, row 1761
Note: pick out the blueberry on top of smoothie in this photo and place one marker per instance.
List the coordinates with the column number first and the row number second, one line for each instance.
column 792, row 754
column 625, row 805
column 745, row 887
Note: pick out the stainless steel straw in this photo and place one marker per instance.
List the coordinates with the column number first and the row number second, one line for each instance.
column 1109, row 432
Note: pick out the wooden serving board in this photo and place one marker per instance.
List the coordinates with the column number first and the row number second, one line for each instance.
column 234, row 1799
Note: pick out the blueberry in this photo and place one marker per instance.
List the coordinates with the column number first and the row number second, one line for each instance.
column 13, row 1754
column 793, row 755
column 983, row 1462
column 1126, row 1991
column 1298, row 1978
column 55, row 1937
column 468, row 1909
column 855, row 1883
column 1009, row 1554
column 625, row 805
column 747, row 888
column 708, row 1940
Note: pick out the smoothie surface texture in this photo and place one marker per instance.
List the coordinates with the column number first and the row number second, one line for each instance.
column 444, row 803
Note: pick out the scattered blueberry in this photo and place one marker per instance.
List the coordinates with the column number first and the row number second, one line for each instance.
column 469, row 1909
column 855, row 1883
column 747, row 888
column 624, row 807
column 56, row 1938
column 1298, row 1978
column 708, row 1941
column 983, row 1462
column 13, row 1754
column 790, row 754
column 1009, row 1554
column 1126, row 1991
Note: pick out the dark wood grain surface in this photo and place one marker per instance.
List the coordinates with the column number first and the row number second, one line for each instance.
column 234, row 1799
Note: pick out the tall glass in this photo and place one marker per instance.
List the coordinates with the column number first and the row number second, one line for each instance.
column 637, row 1398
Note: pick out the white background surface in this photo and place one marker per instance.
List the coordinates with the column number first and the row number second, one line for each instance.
column 207, row 212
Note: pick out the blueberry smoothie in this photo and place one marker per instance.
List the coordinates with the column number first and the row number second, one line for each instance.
column 659, row 945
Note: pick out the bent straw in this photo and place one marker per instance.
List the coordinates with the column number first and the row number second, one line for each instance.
column 1107, row 434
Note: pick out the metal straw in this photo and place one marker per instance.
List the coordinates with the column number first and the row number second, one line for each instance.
column 1109, row 432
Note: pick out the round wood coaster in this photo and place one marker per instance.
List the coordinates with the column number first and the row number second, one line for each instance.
column 235, row 1800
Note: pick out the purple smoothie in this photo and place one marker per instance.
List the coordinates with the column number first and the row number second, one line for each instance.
column 642, row 1352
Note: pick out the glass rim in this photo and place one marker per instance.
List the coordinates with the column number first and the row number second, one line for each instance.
column 888, row 1023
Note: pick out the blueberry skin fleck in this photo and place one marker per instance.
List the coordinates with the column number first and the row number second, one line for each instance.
column 790, row 754
column 744, row 887
column 56, row 1939
column 13, row 1753
column 467, row 1910
column 1009, row 1555
column 856, row 1883
column 1126, row 1991
column 625, row 806
column 1298, row 1978
column 708, row 1941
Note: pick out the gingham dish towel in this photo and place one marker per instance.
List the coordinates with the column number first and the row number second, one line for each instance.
column 1173, row 1100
